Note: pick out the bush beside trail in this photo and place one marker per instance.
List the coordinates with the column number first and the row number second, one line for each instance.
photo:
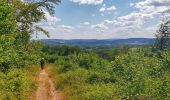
column 17, row 84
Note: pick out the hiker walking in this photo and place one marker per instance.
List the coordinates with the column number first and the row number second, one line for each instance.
column 42, row 63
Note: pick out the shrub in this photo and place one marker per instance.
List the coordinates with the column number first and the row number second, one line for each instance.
column 16, row 85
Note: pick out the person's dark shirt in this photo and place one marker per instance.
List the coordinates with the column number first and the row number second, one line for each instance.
column 42, row 62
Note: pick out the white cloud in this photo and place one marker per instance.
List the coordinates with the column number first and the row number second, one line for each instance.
column 65, row 28
column 51, row 19
column 108, row 22
column 134, row 22
column 112, row 8
column 99, row 27
column 50, row 23
column 95, row 2
column 126, row 26
column 109, row 9
column 132, row 4
column 102, row 9
column 145, row 10
column 151, row 2
column 153, row 6
column 133, row 19
column 86, row 23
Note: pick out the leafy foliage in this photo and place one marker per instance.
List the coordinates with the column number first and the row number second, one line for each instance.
column 17, row 51
column 163, row 35
column 137, row 74
column 15, row 85
column 119, row 73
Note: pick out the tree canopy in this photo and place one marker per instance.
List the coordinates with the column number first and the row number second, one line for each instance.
column 163, row 35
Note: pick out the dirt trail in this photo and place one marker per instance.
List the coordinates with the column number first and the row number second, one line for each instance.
column 46, row 89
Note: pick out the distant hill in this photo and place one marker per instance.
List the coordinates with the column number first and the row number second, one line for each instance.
column 95, row 42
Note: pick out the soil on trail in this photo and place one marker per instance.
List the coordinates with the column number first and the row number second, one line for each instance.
column 46, row 89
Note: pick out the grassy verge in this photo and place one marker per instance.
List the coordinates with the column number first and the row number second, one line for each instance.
column 55, row 77
column 33, row 71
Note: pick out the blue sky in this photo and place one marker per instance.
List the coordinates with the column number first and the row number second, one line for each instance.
column 105, row 19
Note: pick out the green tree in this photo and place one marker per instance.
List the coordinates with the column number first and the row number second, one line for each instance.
column 29, row 12
column 7, row 31
column 17, row 22
column 163, row 35
column 7, row 18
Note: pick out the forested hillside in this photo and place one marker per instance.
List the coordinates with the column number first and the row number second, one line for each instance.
column 101, row 42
